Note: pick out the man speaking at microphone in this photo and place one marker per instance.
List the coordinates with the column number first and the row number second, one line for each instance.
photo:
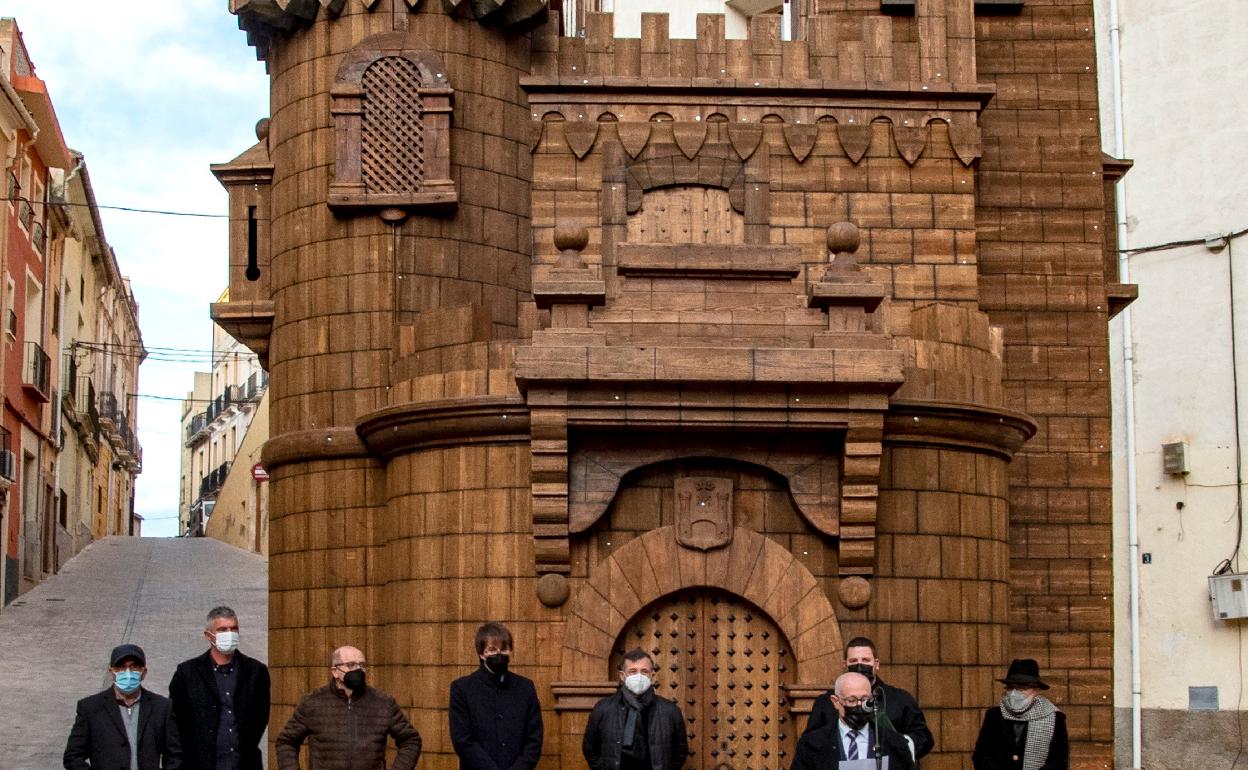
column 859, row 738
column 898, row 708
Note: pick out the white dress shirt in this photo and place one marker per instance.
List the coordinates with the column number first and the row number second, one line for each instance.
column 863, row 739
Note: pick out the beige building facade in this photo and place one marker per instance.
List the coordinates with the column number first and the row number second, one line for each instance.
column 1173, row 80
column 223, row 419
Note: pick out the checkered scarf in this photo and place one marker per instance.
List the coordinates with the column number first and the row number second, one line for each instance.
column 1040, row 718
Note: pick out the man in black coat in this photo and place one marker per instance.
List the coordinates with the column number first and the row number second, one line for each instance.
column 635, row 729
column 1025, row 731
column 496, row 721
column 900, row 710
column 854, row 735
column 125, row 726
column 221, row 701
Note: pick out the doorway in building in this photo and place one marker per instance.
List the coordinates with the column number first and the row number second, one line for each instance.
column 726, row 664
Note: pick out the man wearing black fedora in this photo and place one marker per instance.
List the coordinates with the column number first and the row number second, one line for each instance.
column 1025, row 731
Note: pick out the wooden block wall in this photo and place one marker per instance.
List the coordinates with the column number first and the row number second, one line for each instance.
column 323, row 572
column 458, row 551
column 860, row 46
column 1041, row 218
column 917, row 223
column 940, row 605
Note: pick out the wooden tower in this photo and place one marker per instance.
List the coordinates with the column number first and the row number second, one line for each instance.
column 721, row 348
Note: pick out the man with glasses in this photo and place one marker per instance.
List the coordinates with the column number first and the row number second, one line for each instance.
column 126, row 726
column 346, row 722
column 856, row 736
column 897, row 709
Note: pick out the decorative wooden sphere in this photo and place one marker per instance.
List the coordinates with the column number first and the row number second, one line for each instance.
column 854, row 591
column 843, row 237
column 553, row 589
column 570, row 236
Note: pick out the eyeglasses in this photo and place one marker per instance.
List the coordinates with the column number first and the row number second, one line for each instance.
column 851, row 701
column 128, row 667
column 353, row 665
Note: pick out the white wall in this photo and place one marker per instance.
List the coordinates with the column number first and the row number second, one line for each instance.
column 1185, row 95
column 682, row 19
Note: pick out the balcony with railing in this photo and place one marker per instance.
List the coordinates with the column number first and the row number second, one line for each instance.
column 37, row 236
column 37, row 372
column 197, row 428
column 54, row 431
column 8, row 461
column 212, row 483
column 25, row 213
column 253, row 389
column 93, row 410
column 108, row 411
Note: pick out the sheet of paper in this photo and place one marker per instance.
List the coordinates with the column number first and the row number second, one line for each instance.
column 862, row 764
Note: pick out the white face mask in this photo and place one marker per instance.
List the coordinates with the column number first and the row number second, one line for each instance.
column 637, row 683
column 226, row 642
column 1017, row 700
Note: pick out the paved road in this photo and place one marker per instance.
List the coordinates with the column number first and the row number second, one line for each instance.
column 155, row 592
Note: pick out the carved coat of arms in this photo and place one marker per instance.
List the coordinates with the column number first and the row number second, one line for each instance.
column 703, row 512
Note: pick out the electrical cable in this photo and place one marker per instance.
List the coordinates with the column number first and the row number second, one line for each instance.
column 131, row 209
column 1177, row 244
column 1232, row 561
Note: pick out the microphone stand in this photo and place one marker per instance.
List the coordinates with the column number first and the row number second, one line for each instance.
column 877, row 693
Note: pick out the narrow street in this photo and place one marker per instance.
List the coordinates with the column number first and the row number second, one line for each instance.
column 154, row 592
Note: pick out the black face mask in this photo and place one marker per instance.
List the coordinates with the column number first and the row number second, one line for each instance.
column 354, row 680
column 864, row 669
column 858, row 716
column 497, row 663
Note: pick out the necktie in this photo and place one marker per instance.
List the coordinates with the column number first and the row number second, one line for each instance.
column 852, row 751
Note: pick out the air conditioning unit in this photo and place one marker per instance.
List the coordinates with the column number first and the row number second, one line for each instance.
column 8, row 465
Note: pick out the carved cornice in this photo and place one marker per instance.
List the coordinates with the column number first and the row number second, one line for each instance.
column 964, row 427
column 310, row 445
column 695, row 122
column 267, row 21
column 405, row 427
column 249, row 322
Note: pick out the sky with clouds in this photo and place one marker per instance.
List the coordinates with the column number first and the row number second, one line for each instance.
column 151, row 95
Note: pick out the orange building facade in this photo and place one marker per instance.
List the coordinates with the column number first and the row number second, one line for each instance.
column 69, row 359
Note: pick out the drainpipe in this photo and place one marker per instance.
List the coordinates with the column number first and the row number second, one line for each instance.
column 1128, row 392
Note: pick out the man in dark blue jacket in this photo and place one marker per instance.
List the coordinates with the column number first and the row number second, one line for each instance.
column 221, row 701
column 496, row 721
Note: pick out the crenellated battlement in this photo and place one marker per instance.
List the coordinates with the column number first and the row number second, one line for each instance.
column 933, row 51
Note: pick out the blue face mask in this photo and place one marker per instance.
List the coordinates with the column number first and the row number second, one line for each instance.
column 127, row 681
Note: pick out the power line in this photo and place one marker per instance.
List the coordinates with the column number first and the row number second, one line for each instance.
column 1180, row 243
column 131, row 209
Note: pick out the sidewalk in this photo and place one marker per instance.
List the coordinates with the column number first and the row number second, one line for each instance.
column 155, row 592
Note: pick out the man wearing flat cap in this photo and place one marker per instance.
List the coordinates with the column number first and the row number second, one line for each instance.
column 125, row 726
column 1025, row 731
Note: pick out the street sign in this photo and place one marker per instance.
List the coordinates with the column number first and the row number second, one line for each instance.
column 259, row 473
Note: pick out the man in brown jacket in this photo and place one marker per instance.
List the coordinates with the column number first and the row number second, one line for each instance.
column 346, row 723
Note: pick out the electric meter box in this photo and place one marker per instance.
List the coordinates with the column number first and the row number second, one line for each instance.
column 1229, row 594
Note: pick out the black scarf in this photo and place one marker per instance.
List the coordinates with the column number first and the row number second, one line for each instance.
column 634, row 742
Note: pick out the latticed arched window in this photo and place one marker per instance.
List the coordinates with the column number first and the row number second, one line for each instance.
column 392, row 124
column 392, row 137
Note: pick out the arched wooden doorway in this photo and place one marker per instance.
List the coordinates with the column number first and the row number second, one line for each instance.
column 726, row 664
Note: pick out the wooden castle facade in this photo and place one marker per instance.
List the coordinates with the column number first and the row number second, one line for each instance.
column 730, row 349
